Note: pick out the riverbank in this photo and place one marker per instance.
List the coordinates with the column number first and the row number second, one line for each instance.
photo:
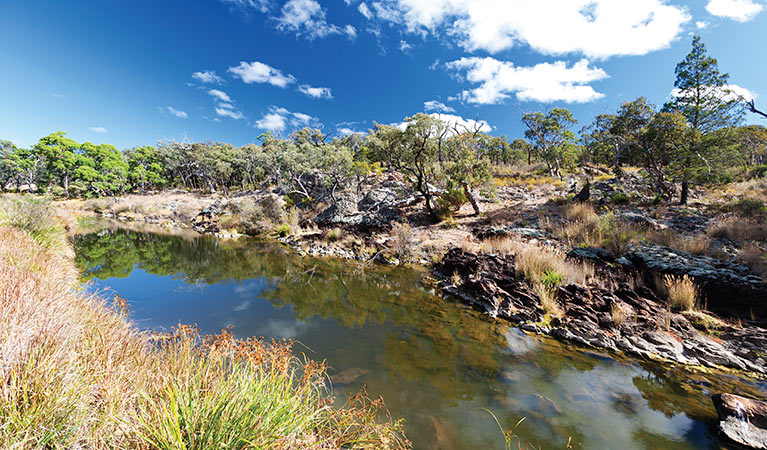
column 619, row 272
column 79, row 374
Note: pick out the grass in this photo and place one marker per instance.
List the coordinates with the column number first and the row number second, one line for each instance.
column 78, row 374
column 739, row 229
column 681, row 292
column 617, row 314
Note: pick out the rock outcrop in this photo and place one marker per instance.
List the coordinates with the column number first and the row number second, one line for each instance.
column 743, row 420
column 634, row 321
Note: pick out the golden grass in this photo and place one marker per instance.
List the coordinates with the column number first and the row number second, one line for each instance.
column 755, row 258
column 681, row 292
column 617, row 314
column 698, row 244
column 77, row 374
column 549, row 299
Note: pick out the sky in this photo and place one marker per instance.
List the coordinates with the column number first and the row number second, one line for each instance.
column 137, row 72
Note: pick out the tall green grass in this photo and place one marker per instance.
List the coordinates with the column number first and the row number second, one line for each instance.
column 76, row 374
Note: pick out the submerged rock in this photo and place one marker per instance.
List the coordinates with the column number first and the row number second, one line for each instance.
column 743, row 420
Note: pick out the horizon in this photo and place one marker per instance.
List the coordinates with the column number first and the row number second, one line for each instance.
column 132, row 74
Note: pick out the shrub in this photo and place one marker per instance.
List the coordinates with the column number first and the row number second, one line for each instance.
column 450, row 202
column 583, row 212
column 620, row 198
column 616, row 235
column 755, row 258
column 746, row 207
column 681, row 292
column 35, row 216
column 283, row 230
column 403, row 242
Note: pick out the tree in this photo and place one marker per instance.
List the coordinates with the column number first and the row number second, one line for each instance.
column 61, row 158
column 145, row 168
column 662, row 141
column 467, row 166
column 753, row 142
column 416, row 152
column 701, row 94
column 550, row 134
column 103, row 168
column 19, row 166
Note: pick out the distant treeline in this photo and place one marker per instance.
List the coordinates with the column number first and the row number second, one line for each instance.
column 695, row 138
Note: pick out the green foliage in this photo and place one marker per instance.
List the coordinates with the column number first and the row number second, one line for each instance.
column 283, row 230
column 746, row 207
column 551, row 278
column 620, row 198
column 550, row 134
column 35, row 216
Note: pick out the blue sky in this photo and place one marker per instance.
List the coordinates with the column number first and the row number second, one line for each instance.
column 133, row 73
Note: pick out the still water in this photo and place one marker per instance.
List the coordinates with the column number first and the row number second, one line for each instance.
column 437, row 363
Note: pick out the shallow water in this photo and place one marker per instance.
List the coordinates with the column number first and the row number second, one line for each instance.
column 437, row 363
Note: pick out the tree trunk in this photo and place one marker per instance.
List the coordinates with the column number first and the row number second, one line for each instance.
column 685, row 193
column 66, row 185
column 472, row 199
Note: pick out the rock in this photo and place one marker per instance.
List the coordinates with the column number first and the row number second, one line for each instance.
column 207, row 219
column 377, row 209
column 591, row 253
column 743, row 420
column 349, row 375
column 638, row 219
column 730, row 289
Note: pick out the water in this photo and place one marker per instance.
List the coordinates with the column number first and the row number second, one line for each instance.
column 437, row 363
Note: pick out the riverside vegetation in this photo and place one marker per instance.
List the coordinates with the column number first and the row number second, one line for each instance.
column 78, row 374
column 645, row 234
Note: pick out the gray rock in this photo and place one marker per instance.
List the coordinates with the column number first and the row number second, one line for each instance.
column 743, row 420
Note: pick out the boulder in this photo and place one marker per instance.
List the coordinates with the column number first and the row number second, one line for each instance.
column 742, row 419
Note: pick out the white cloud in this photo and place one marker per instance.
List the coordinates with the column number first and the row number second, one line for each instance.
column 365, row 11
column 315, row 92
column 545, row 82
column 595, row 28
column 740, row 10
column 434, row 105
column 226, row 112
column 174, row 112
column 258, row 72
column 279, row 119
column 454, row 123
column 731, row 92
column 345, row 131
column 307, row 17
column 405, row 46
column 259, row 5
column 56, row 95
column 207, row 76
column 221, row 95
column 701, row 24
column 101, row 130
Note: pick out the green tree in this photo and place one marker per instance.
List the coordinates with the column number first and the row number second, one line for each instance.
column 61, row 158
column 662, row 142
column 550, row 134
column 702, row 95
column 145, row 168
column 103, row 168
column 19, row 166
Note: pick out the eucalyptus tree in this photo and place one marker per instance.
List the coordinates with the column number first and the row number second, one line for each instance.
column 551, row 135
column 19, row 166
column 145, row 168
column 62, row 158
column 702, row 95
column 662, row 144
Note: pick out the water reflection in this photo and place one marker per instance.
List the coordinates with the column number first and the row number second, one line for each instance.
column 437, row 363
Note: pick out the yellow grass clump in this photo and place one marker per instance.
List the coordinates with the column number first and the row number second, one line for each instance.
column 681, row 292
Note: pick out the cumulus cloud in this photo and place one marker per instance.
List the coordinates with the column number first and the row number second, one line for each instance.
column 740, row 10
column 315, row 92
column 434, row 105
column 174, row 112
column 306, row 17
column 258, row 72
column 731, row 92
column 595, row 28
column 454, row 123
column 100, row 130
column 220, row 95
column 545, row 82
column 280, row 119
column 207, row 76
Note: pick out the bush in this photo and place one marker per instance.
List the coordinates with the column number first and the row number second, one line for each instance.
column 450, row 202
column 551, row 278
column 746, row 207
column 620, row 198
column 616, row 235
column 34, row 215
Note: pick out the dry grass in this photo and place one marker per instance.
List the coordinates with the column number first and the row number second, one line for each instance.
column 699, row 244
column 617, row 314
column 533, row 262
column 681, row 292
column 755, row 258
column 403, row 242
column 739, row 229
column 77, row 374
column 549, row 299
column 582, row 212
